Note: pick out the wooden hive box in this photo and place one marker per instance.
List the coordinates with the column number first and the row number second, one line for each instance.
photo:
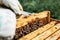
column 48, row 28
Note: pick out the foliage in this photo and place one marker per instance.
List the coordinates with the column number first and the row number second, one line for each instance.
column 41, row 5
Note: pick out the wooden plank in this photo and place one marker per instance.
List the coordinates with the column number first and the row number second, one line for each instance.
column 55, row 20
column 38, row 31
column 47, row 33
column 55, row 36
column 48, row 18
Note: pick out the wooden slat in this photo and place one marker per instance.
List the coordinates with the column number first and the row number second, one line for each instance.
column 55, row 36
column 38, row 31
column 48, row 18
column 47, row 33
column 55, row 20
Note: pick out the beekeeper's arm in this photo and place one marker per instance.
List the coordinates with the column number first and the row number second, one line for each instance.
column 15, row 6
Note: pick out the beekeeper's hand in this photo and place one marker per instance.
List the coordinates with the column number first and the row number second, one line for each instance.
column 15, row 6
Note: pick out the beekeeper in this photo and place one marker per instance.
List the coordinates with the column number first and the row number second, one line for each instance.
column 8, row 18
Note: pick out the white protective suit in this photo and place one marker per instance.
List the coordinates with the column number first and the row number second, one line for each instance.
column 8, row 18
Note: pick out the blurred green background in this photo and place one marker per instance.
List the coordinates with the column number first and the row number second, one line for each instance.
column 42, row 5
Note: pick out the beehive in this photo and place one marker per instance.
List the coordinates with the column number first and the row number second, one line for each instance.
column 37, row 27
